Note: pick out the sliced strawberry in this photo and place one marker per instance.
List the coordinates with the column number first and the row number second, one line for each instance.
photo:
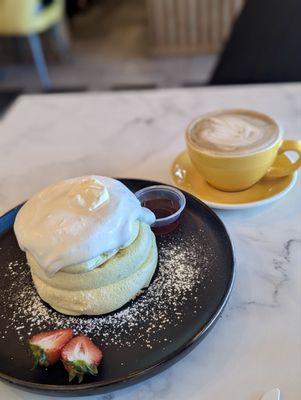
column 81, row 356
column 46, row 346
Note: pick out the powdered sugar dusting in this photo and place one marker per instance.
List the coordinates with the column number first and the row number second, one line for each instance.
column 183, row 265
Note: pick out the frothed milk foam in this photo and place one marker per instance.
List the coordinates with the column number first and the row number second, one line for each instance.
column 234, row 132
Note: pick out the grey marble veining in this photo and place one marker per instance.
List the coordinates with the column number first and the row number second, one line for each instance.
column 256, row 344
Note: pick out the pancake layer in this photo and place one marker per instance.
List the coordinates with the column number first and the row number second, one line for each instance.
column 78, row 290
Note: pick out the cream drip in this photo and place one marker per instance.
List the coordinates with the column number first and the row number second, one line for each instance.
column 78, row 219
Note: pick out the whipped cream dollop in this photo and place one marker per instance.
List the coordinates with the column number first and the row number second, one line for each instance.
column 75, row 220
column 234, row 132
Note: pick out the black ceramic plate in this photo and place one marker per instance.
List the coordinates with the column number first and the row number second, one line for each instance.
column 188, row 292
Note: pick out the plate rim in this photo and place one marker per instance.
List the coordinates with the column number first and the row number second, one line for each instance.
column 236, row 206
column 83, row 389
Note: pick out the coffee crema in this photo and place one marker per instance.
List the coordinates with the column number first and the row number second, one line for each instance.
column 234, row 132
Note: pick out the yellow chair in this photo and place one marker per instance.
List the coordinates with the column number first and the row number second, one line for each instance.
column 29, row 18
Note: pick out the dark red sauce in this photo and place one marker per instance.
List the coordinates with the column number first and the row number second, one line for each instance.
column 163, row 208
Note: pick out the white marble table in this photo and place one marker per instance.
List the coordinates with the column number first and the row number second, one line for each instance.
column 256, row 344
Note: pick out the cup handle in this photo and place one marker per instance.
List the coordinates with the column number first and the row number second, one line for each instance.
column 287, row 145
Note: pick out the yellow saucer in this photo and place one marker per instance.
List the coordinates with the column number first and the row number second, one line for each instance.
column 266, row 191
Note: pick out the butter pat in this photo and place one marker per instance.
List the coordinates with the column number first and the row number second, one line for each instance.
column 89, row 193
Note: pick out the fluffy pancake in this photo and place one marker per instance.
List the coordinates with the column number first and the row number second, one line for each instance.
column 88, row 243
column 123, row 264
column 103, row 299
column 86, row 266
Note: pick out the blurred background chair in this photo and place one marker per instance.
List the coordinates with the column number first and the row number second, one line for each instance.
column 264, row 46
column 29, row 18
column 132, row 44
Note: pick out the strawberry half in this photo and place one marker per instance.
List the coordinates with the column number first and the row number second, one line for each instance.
column 81, row 356
column 46, row 346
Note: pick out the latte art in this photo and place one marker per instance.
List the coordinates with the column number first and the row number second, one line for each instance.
column 234, row 132
column 228, row 132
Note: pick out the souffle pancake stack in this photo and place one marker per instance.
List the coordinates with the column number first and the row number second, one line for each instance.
column 88, row 243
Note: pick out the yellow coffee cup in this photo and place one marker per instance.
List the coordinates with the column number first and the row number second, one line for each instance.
column 235, row 172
